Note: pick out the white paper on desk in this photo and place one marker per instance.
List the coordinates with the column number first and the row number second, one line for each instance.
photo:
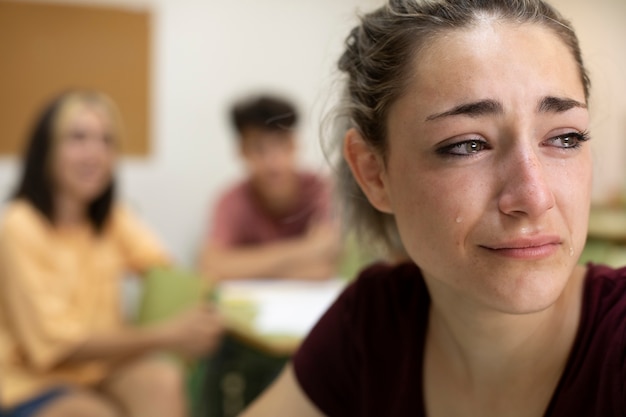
column 285, row 307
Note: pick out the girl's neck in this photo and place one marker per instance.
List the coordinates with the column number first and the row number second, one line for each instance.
column 494, row 364
column 69, row 212
column 487, row 347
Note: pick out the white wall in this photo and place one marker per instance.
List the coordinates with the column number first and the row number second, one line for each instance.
column 206, row 52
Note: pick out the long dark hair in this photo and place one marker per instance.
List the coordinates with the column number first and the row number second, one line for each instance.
column 35, row 185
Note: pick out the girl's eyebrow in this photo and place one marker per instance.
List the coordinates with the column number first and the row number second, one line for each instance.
column 548, row 104
column 552, row 104
column 473, row 109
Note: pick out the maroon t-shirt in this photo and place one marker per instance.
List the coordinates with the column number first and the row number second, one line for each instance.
column 240, row 219
column 364, row 357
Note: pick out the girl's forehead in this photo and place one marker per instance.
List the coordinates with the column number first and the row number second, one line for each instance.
column 484, row 58
column 485, row 37
column 511, row 66
column 81, row 112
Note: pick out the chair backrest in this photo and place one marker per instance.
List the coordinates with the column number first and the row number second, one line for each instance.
column 168, row 291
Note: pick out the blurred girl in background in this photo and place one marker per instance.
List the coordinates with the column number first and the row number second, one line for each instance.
column 65, row 244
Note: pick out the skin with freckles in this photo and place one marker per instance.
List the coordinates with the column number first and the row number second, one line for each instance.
column 489, row 201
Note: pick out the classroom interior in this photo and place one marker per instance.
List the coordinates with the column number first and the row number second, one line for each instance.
column 202, row 54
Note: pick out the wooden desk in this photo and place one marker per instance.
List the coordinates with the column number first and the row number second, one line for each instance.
column 275, row 315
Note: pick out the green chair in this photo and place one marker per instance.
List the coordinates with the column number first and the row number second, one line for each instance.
column 166, row 292
column 234, row 377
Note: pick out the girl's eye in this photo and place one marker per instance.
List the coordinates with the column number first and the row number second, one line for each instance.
column 570, row 140
column 465, row 148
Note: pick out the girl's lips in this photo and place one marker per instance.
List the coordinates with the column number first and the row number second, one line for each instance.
column 527, row 248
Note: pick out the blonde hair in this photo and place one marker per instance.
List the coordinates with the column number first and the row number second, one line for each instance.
column 74, row 101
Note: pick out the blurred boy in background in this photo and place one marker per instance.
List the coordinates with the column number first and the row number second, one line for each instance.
column 277, row 222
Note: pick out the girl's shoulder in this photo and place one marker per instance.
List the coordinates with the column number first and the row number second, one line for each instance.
column 21, row 217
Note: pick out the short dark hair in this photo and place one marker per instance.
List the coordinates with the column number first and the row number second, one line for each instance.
column 265, row 112
column 35, row 185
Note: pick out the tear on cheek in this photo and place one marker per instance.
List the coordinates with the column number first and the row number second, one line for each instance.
column 459, row 219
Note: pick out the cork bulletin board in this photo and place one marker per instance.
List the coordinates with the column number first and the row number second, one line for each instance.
column 48, row 48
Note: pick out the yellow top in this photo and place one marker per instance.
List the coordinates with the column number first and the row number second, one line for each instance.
column 58, row 286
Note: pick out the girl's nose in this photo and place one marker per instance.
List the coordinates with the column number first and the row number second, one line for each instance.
column 525, row 190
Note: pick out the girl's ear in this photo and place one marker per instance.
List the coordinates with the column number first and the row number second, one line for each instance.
column 368, row 168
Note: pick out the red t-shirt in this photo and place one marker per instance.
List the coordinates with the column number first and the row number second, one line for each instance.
column 364, row 357
column 240, row 219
